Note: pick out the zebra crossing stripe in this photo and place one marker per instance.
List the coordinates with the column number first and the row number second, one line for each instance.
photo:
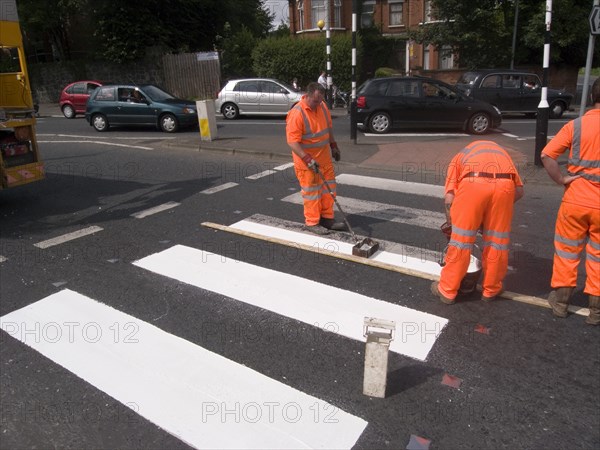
column 408, row 187
column 383, row 211
column 198, row 396
column 219, row 188
column 298, row 298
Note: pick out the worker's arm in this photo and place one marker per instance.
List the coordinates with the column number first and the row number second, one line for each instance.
column 519, row 192
column 553, row 169
column 448, row 199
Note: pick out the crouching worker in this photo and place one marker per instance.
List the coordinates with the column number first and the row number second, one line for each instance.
column 481, row 187
column 310, row 135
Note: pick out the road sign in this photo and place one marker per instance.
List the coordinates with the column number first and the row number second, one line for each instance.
column 595, row 20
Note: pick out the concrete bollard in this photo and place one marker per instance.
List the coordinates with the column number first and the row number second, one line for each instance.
column 207, row 119
column 379, row 334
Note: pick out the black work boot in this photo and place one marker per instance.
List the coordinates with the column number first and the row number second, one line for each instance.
column 317, row 229
column 331, row 224
column 594, row 317
column 559, row 301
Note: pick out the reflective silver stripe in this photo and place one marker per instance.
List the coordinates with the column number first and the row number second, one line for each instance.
column 498, row 234
column 594, row 245
column 571, row 242
column 461, row 232
column 576, row 146
column 575, row 156
column 316, row 135
column 461, row 245
column 593, row 258
column 587, row 176
column 587, row 163
column 312, row 197
column 496, row 245
column 567, row 255
column 314, row 144
column 312, row 188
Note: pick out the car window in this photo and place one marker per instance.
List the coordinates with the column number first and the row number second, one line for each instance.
column 511, row 81
column 468, row 78
column 90, row 88
column 491, row 81
column 105, row 94
column 9, row 60
column 270, row 87
column 78, row 88
column 379, row 88
column 531, row 82
column 124, row 94
column 404, row 88
column 247, row 86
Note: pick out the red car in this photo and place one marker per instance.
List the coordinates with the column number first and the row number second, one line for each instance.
column 74, row 97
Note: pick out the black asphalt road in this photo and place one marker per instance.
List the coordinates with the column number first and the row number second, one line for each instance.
column 528, row 380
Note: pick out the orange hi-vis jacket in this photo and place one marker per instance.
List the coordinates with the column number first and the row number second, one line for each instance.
column 578, row 218
column 312, row 130
column 483, row 178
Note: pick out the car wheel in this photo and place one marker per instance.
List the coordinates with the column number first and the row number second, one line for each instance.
column 168, row 123
column 556, row 110
column 479, row 123
column 99, row 122
column 230, row 111
column 68, row 111
column 380, row 122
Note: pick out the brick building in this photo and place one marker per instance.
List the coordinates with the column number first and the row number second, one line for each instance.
column 392, row 17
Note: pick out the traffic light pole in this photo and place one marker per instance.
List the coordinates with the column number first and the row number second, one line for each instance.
column 353, row 93
column 541, row 126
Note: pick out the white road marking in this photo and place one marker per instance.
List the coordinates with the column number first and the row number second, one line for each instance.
column 156, row 209
column 284, row 166
column 112, row 137
column 198, row 396
column 97, row 142
column 330, row 308
column 262, row 174
column 383, row 211
column 510, row 135
column 415, row 134
column 68, row 237
column 430, row 190
column 218, row 188
column 3, row 258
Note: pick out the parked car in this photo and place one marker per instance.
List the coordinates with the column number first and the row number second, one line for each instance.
column 513, row 91
column 419, row 102
column 129, row 104
column 74, row 97
column 256, row 96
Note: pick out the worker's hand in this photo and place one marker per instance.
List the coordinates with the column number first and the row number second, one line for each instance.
column 310, row 163
column 569, row 178
column 447, row 229
column 335, row 151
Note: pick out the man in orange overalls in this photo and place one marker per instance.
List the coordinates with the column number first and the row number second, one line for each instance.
column 481, row 187
column 310, row 135
column 578, row 218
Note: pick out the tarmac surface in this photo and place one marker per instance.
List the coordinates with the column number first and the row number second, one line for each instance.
column 422, row 159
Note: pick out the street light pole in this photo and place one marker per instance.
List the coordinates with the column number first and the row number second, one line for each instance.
column 541, row 126
column 514, row 39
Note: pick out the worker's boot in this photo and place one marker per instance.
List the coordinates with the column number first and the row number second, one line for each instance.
column 559, row 301
column 331, row 224
column 594, row 317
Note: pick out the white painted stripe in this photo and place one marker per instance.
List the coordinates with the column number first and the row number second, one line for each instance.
column 414, row 134
column 333, row 309
column 383, row 211
column 97, row 142
column 136, row 138
column 284, row 166
column 264, row 173
column 156, row 209
column 3, row 258
column 68, row 237
column 218, row 188
column 412, row 258
column 510, row 135
column 408, row 187
column 183, row 388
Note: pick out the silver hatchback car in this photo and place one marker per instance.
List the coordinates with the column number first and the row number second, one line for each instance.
column 256, row 96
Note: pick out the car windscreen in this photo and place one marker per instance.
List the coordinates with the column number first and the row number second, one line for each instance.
column 468, row 78
column 156, row 94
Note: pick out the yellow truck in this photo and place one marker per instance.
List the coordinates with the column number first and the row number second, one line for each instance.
column 20, row 161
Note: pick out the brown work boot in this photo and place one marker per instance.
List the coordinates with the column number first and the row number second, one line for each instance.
column 594, row 317
column 435, row 291
column 559, row 301
column 331, row 224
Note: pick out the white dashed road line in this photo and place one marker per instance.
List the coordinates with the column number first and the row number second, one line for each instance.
column 68, row 237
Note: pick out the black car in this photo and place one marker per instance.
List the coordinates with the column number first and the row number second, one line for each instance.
column 513, row 91
column 419, row 102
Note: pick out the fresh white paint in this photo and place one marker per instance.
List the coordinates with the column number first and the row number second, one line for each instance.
column 408, row 187
column 262, row 174
column 154, row 210
column 68, row 237
column 218, row 188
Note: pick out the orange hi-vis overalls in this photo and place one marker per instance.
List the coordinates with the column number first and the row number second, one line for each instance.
column 311, row 129
column 483, row 179
column 578, row 218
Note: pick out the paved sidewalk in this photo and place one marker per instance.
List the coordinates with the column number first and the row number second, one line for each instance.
column 422, row 160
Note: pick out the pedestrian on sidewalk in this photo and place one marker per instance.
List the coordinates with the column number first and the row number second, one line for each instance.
column 309, row 134
column 578, row 218
column 482, row 186
column 323, row 79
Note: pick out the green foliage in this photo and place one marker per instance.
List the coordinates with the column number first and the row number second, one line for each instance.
column 383, row 72
column 236, row 54
column 287, row 58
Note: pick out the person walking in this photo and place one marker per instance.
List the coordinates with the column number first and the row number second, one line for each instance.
column 323, row 79
column 578, row 218
column 309, row 134
column 482, row 185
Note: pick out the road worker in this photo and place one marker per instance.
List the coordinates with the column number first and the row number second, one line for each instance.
column 481, row 187
column 578, row 218
column 310, row 135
